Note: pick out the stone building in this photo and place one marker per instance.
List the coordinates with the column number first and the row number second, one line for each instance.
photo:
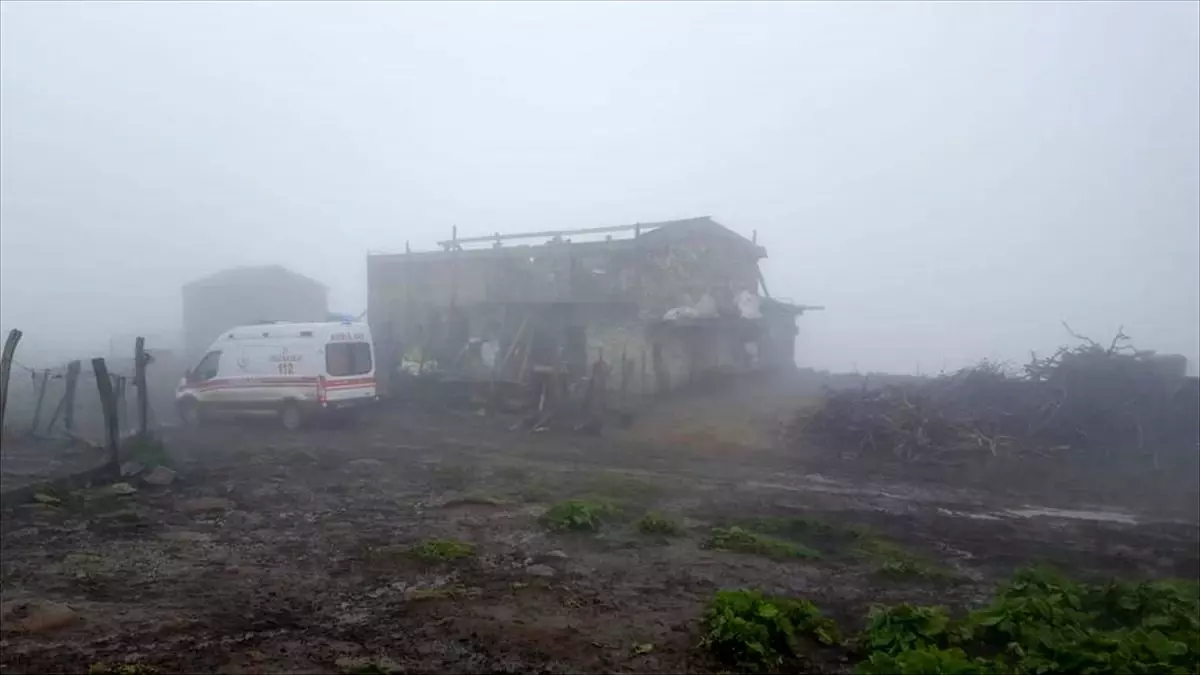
column 662, row 304
column 246, row 295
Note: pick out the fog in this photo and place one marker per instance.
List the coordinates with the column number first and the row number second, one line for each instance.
column 951, row 181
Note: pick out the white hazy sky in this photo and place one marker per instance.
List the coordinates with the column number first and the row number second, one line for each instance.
column 951, row 180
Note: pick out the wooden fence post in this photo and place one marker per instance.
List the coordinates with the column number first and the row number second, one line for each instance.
column 122, row 409
column 37, row 411
column 139, row 381
column 62, row 402
column 108, row 402
column 10, row 346
column 73, row 369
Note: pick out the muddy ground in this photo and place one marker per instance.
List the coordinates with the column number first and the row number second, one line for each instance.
column 287, row 552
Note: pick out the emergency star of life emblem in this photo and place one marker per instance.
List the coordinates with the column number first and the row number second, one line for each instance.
column 243, row 363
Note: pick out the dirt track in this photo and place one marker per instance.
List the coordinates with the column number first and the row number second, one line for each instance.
column 284, row 552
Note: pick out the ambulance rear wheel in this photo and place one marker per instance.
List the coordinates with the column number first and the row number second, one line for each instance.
column 291, row 416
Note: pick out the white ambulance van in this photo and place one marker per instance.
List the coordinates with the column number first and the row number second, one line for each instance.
column 293, row 370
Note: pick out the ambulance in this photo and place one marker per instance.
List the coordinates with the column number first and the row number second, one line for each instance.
column 296, row 371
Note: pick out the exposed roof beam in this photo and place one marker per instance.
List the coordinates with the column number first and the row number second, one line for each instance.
column 547, row 233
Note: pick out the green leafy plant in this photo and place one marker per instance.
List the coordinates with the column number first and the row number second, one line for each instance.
column 756, row 632
column 928, row 661
column 442, row 550
column 891, row 630
column 741, row 541
column 1043, row 622
column 579, row 515
column 654, row 523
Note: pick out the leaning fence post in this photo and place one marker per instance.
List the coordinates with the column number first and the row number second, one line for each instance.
column 108, row 403
column 10, row 346
column 37, row 410
column 139, row 381
column 73, row 369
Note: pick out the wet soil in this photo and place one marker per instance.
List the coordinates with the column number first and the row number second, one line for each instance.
column 287, row 552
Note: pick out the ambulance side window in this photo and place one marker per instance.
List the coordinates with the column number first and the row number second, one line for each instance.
column 207, row 368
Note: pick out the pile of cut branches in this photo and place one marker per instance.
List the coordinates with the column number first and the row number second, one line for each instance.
column 1112, row 399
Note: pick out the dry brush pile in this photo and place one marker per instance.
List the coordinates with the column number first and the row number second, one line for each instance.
column 1113, row 400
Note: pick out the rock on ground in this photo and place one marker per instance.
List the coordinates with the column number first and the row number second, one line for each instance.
column 38, row 616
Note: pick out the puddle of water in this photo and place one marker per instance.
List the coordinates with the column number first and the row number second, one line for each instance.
column 1101, row 516
column 964, row 514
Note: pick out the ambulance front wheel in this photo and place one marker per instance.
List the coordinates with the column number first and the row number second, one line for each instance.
column 291, row 416
column 189, row 413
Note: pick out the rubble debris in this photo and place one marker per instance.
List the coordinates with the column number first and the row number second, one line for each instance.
column 540, row 570
column 39, row 616
column 205, row 505
column 160, row 476
column 129, row 469
column 1089, row 397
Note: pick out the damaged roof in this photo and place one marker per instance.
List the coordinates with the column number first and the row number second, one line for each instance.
column 649, row 235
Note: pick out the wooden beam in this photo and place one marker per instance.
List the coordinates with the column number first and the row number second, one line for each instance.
column 37, row 411
column 546, row 233
column 139, row 381
column 73, row 369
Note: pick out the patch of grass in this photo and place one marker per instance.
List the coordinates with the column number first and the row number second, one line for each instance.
column 442, row 550
column 102, row 668
column 619, row 486
column 755, row 632
column 515, row 474
column 536, row 492
column 739, row 540
column 855, row 541
column 452, row 592
column 800, row 527
column 452, row 476
column 578, row 515
column 475, row 500
column 897, row 562
column 654, row 523
column 149, row 451
column 362, row 666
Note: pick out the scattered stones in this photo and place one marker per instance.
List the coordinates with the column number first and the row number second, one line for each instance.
column 205, row 505
column 185, row 536
column 160, row 476
column 44, row 498
column 39, row 616
column 131, row 468
column 122, row 489
column 366, row 463
column 540, row 570
column 556, row 554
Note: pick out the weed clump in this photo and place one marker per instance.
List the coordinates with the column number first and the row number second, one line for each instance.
column 756, row 632
column 149, row 451
column 578, row 515
column 741, row 541
column 654, row 523
column 121, row 669
column 442, row 550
